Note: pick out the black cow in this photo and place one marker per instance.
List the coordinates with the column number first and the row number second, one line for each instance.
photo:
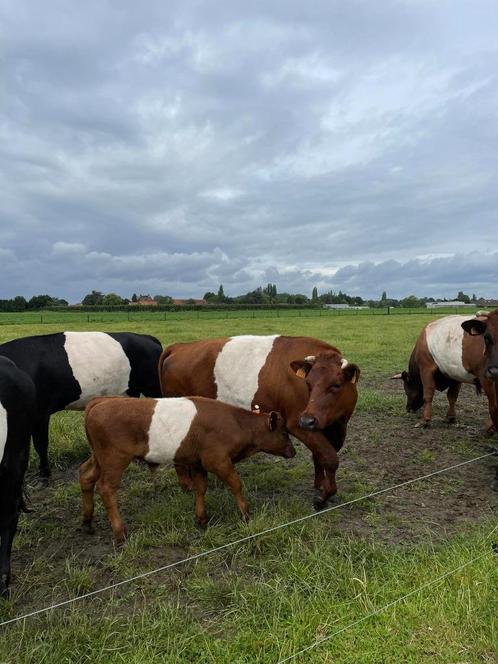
column 17, row 412
column 70, row 368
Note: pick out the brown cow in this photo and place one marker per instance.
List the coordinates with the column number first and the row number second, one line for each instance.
column 196, row 434
column 305, row 379
column 444, row 358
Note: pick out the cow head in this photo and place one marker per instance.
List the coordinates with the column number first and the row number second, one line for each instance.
column 413, row 390
column 487, row 326
column 275, row 438
column 331, row 381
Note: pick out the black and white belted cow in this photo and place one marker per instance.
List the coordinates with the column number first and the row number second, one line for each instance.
column 70, row 368
column 17, row 412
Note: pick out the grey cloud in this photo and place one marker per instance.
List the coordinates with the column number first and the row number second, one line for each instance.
column 172, row 146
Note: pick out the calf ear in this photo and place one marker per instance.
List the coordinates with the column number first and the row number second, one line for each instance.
column 272, row 420
column 474, row 327
column 351, row 372
column 301, row 367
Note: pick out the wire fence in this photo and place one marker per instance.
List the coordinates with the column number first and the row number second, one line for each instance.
column 398, row 600
column 242, row 540
column 133, row 316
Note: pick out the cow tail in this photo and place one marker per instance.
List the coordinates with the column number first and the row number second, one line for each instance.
column 164, row 356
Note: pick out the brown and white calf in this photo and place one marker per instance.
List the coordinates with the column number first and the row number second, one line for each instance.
column 197, row 435
column 305, row 379
column 444, row 357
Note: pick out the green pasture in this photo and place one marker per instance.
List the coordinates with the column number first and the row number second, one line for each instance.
column 266, row 599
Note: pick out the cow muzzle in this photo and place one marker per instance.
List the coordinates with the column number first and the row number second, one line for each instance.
column 492, row 373
column 308, row 422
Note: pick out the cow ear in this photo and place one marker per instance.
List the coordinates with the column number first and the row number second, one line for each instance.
column 352, row 372
column 474, row 327
column 272, row 420
column 301, row 367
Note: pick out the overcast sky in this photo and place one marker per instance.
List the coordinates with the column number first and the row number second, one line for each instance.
column 168, row 147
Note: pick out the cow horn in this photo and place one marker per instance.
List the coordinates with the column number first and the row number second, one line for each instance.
column 344, row 363
column 310, row 359
column 482, row 313
column 397, row 376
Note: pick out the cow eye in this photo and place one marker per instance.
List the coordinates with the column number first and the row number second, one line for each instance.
column 335, row 387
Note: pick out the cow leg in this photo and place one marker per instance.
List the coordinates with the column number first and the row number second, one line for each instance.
column 429, row 386
column 491, row 391
column 326, row 458
column 107, row 486
column 40, row 441
column 184, row 477
column 319, row 472
column 200, row 483
column 89, row 474
column 452, row 395
column 6, row 538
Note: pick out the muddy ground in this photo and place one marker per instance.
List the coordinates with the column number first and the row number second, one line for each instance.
column 383, row 449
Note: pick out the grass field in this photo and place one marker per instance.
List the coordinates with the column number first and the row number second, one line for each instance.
column 269, row 598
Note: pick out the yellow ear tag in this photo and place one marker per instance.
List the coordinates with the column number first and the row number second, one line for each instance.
column 301, row 373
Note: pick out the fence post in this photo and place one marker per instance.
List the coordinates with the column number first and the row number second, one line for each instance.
column 388, row 310
column 41, row 318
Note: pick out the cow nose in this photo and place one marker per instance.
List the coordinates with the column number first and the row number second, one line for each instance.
column 492, row 372
column 307, row 422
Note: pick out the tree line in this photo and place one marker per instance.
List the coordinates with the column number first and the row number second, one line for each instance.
column 264, row 295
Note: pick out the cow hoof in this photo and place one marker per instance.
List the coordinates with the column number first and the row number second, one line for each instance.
column 4, row 590
column 319, row 503
column 451, row 420
column 423, row 425
column 87, row 528
column 203, row 522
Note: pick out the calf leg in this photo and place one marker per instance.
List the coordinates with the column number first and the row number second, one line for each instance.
column 107, row 485
column 227, row 473
column 89, row 474
column 223, row 467
column 452, row 396
column 200, row 483
column 6, row 539
column 40, row 441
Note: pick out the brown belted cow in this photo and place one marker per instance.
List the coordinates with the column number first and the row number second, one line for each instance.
column 305, row 379
column 444, row 357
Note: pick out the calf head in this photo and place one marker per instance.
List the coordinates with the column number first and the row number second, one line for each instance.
column 413, row 390
column 274, row 438
column 487, row 326
column 331, row 381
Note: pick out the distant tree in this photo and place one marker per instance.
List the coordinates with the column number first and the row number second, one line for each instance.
column 39, row 302
column 412, row 301
column 384, row 296
column 221, row 293
column 19, row 303
column 462, row 297
column 163, row 299
column 190, row 301
column 93, row 298
column 112, row 299
column 134, row 297
column 474, row 298
column 209, row 296
column 314, row 294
